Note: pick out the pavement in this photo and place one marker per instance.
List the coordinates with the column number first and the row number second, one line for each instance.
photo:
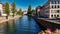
column 51, row 20
column 3, row 19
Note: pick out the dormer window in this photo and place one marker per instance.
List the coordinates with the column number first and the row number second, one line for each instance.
column 55, row 2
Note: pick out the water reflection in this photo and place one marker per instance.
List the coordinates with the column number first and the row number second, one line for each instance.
column 7, row 29
column 23, row 25
column 2, row 29
column 26, row 25
column 10, row 27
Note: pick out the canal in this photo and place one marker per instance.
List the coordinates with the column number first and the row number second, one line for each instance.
column 23, row 25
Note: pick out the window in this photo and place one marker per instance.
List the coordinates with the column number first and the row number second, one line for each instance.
column 58, row 2
column 55, row 2
column 0, row 12
column 57, row 11
column 52, row 6
column 58, row 6
column 57, row 15
column 55, row 6
column 51, row 15
column 52, row 2
column 54, row 15
column 52, row 11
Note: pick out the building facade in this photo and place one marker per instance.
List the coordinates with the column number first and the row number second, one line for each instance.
column 1, row 9
column 52, row 9
column 24, row 12
column 39, row 11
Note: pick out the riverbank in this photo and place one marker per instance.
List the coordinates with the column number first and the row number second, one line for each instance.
column 3, row 19
column 47, row 25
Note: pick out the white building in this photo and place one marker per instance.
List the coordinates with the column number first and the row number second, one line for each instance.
column 1, row 9
column 52, row 9
column 24, row 12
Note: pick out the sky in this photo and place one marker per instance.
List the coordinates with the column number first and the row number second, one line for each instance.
column 25, row 3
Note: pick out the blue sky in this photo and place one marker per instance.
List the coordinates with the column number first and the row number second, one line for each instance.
column 25, row 3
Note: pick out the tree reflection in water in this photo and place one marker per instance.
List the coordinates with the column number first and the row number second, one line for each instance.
column 7, row 29
column 10, row 27
column 23, row 25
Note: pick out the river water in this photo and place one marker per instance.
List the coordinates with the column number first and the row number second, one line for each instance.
column 23, row 25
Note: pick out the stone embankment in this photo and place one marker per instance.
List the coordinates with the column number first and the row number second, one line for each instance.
column 3, row 19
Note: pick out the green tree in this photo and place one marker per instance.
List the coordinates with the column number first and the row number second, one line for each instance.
column 29, row 9
column 7, row 9
column 13, row 8
column 33, row 11
column 15, row 11
column 20, row 11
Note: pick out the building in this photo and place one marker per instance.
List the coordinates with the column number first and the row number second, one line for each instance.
column 24, row 12
column 52, row 9
column 39, row 11
column 1, row 9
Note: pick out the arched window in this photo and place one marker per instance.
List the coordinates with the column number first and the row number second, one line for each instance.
column 52, row 6
column 58, row 6
column 55, row 6
column 57, row 15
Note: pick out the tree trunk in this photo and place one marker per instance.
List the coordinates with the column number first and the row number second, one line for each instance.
column 6, row 17
column 13, row 14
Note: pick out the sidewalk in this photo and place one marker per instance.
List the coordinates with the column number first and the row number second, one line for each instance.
column 52, row 21
column 3, row 19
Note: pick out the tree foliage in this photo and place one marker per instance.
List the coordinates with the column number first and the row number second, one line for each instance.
column 7, row 9
column 32, row 11
column 13, row 8
column 20, row 11
column 29, row 9
column 15, row 11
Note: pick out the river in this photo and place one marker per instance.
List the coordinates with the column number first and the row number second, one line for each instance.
column 22, row 25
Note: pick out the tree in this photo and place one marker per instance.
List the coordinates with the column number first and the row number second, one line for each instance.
column 20, row 11
column 7, row 9
column 15, row 11
column 29, row 9
column 13, row 7
column 33, row 11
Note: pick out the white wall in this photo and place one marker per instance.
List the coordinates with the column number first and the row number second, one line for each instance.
column 1, row 8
